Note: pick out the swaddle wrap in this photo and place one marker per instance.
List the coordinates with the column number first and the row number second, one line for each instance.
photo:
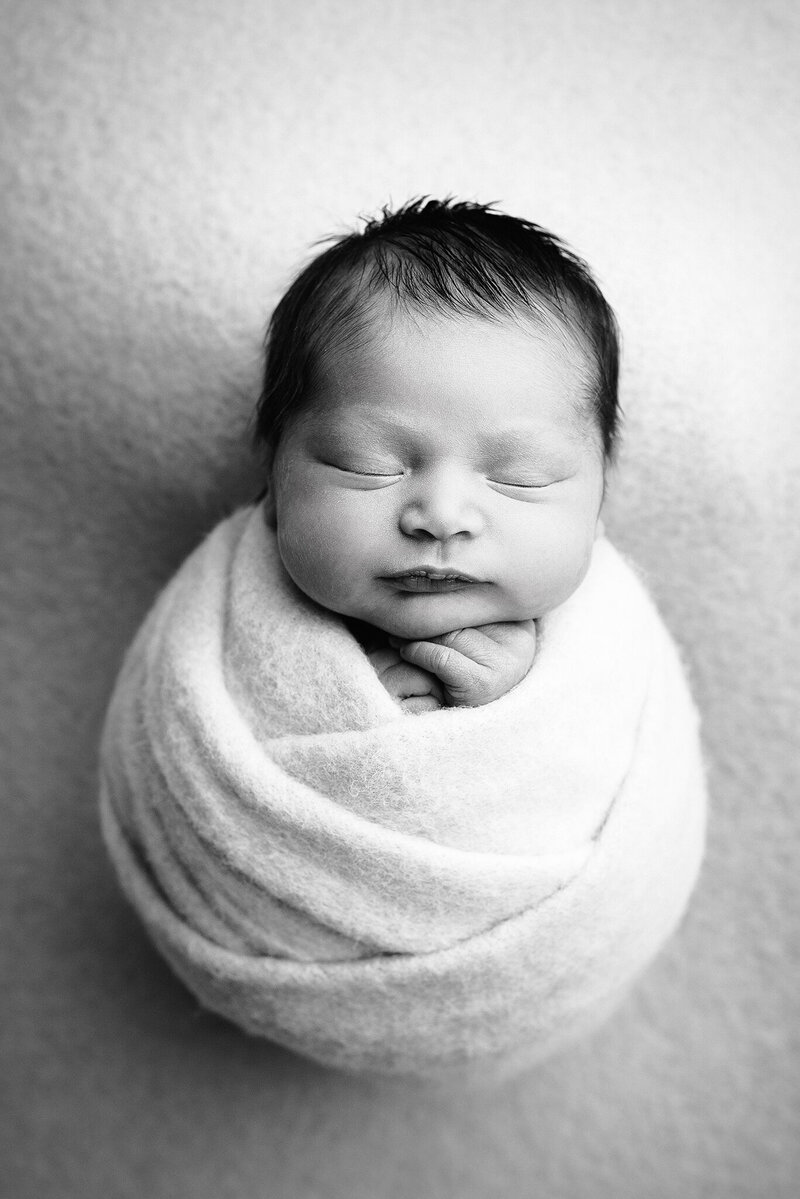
column 390, row 892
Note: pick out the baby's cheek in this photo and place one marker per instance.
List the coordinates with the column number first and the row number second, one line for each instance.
column 315, row 558
column 299, row 550
column 531, row 577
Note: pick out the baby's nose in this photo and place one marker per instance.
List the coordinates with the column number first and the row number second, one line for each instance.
column 441, row 506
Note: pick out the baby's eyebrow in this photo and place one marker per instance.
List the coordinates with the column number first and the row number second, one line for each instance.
column 510, row 442
column 514, row 438
column 523, row 441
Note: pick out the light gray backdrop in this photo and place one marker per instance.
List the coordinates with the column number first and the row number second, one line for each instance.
column 165, row 166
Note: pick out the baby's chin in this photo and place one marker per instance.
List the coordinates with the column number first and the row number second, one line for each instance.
column 423, row 626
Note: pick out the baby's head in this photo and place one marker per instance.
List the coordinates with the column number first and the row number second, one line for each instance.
column 439, row 407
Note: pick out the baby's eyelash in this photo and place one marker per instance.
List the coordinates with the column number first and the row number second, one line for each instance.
column 373, row 474
column 522, row 486
column 366, row 474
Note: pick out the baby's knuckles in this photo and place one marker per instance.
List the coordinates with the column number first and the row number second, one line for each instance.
column 489, row 667
column 467, row 667
column 482, row 684
column 405, row 683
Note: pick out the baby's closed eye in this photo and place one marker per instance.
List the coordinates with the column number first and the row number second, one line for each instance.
column 371, row 472
column 523, row 484
column 380, row 468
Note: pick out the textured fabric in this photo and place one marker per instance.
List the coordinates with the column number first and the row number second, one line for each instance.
column 390, row 892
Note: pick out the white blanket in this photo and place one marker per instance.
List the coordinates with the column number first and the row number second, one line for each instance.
column 391, row 892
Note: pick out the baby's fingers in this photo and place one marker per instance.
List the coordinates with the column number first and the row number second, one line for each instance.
column 446, row 663
column 405, row 680
column 383, row 659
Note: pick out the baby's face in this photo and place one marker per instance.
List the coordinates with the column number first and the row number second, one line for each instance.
column 445, row 477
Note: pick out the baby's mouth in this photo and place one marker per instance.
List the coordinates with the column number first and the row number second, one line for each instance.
column 428, row 579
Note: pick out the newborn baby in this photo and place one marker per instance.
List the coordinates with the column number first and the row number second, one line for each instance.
column 322, row 855
column 439, row 407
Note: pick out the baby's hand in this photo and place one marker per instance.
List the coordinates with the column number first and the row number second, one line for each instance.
column 414, row 690
column 476, row 665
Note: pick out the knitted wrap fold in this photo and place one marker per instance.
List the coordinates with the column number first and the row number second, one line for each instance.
column 388, row 892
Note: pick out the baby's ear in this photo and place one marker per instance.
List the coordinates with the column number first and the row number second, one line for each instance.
column 267, row 500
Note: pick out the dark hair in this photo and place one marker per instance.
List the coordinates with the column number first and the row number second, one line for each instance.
column 431, row 254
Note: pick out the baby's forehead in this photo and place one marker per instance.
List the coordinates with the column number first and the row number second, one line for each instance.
column 378, row 331
column 505, row 367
